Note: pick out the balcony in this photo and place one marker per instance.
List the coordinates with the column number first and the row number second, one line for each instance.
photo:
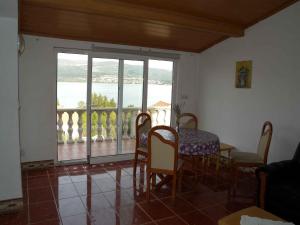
column 71, row 130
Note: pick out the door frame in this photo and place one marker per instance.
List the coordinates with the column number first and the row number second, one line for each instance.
column 121, row 57
column 56, row 52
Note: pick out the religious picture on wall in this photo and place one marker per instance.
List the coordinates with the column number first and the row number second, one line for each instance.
column 243, row 74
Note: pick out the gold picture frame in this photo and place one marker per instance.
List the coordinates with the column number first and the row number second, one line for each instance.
column 243, row 74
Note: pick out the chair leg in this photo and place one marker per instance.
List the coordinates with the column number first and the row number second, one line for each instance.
column 218, row 162
column 153, row 180
column 236, row 178
column 148, row 186
column 174, row 186
column 194, row 167
column 135, row 163
column 179, row 183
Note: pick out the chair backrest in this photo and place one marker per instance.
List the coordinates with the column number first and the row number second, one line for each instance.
column 142, row 126
column 265, row 141
column 163, row 149
column 188, row 120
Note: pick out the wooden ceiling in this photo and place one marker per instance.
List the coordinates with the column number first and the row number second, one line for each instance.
column 189, row 25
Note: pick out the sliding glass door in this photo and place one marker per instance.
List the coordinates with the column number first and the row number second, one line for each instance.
column 104, row 106
column 159, row 97
column 108, row 93
column 132, row 102
column 72, row 73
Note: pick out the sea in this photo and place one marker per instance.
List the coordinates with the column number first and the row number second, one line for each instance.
column 69, row 94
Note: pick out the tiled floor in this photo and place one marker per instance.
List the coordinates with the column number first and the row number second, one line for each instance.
column 106, row 195
column 104, row 148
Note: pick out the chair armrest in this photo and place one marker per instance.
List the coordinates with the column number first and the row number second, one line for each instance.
column 283, row 172
column 279, row 171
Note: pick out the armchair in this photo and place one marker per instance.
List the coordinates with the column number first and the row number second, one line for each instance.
column 279, row 188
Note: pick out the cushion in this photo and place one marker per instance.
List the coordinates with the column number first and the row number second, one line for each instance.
column 246, row 157
column 141, row 149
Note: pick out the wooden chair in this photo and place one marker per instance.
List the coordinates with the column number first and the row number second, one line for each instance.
column 224, row 148
column 163, row 156
column 188, row 120
column 142, row 127
column 247, row 159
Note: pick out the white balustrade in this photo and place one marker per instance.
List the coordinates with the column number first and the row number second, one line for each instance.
column 105, row 130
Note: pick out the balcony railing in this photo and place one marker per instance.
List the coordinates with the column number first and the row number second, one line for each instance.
column 70, row 123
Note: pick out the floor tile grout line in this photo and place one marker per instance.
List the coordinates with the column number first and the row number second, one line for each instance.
column 176, row 214
column 79, row 196
column 206, row 214
column 144, row 211
column 27, row 190
column 54, row 199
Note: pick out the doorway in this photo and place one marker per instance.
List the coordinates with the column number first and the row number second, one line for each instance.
column 99, row 97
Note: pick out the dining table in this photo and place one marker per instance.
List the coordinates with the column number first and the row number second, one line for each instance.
column 192, row 142
column 193, row 145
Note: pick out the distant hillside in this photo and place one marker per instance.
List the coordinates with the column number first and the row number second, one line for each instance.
column 69, row 71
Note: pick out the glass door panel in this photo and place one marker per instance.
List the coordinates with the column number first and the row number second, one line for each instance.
column 159, row 98
column 132, row 101
column 104, row 106
column 71, row 106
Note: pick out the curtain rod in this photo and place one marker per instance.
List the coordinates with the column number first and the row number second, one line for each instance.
column 139, row 52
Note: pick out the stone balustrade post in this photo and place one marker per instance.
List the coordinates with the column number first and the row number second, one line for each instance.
column 132, row 123
column 108, row 126
column 152, row 112
column 125, row 125
column 70, row 128
column 165, row 117
column 100, row 136
column 157, row 117
column 80, row 129
column 60, row 129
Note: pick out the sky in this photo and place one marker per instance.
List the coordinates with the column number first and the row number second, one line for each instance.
column 160, row 64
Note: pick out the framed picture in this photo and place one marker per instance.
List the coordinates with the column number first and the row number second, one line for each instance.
column 243, row 74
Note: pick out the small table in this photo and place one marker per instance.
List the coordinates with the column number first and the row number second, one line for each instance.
column 235, row 218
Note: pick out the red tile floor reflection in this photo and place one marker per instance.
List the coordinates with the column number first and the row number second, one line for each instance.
column 106, row 194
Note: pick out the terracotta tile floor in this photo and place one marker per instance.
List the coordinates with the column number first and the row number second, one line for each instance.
column 107, row 194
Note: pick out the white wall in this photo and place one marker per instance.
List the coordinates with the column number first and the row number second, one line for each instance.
column 237, row 115
column 10, row 172
column 38, row 92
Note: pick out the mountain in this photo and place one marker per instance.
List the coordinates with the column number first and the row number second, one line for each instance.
column 76, row 70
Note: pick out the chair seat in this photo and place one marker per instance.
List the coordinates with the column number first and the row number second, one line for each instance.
column 143, row 150
column 245, row 157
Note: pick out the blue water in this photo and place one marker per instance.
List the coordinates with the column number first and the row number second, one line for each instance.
column 70, row 93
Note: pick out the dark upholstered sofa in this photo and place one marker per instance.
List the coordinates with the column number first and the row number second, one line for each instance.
column 279, row 188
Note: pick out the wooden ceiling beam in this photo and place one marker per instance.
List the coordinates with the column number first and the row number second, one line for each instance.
column 142, row 14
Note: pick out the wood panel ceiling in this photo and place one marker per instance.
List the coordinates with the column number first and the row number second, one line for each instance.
column 189, row 25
